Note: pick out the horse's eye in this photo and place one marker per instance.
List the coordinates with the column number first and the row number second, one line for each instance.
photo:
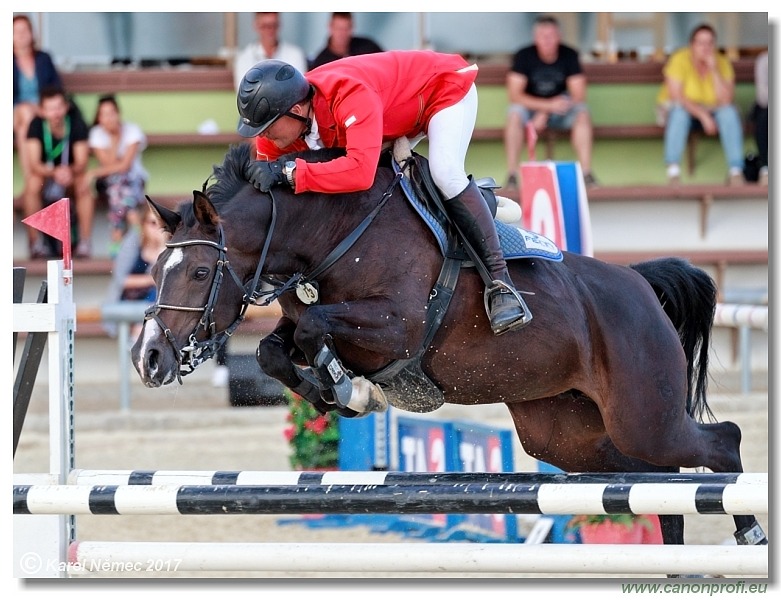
column 201, row 273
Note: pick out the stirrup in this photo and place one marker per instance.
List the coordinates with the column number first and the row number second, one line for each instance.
column 499, row 286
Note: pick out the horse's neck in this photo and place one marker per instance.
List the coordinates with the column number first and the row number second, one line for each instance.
column 310, row 227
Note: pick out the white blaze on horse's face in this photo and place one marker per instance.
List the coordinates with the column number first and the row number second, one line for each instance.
column 152, row 330
column 176, row 257
column 149, row 333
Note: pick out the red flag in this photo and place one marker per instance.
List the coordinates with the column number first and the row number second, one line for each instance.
column 531, row 140
column 55, row 220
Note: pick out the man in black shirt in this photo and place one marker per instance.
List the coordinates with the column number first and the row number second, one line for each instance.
column 547, row 87
column 58, row 152
column 342, row 42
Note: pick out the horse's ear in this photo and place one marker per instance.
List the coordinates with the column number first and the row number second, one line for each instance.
column 204, row 210
column 169, row 219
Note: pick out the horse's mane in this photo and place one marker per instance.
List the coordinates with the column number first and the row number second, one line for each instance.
column 229, row 177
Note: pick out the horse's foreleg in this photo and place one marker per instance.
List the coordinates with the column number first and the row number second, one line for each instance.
column 366, row 334
column 274, row 355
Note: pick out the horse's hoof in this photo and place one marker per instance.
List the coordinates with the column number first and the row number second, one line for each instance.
column 367, row 397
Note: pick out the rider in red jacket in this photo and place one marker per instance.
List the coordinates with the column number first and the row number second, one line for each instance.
column 359, row 102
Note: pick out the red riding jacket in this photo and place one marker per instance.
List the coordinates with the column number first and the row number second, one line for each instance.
column 363, row 101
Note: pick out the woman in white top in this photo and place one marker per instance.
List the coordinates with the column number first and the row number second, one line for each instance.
column 120, row 174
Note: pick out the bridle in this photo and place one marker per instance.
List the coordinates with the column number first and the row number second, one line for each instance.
column 198, row 351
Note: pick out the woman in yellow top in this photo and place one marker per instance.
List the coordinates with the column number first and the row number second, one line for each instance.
column 699, row 84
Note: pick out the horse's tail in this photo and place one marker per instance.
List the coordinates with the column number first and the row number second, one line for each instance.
column 688, row 297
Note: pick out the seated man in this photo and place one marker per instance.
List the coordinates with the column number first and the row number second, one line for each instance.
column 342, row 42
column 58, row 152
column 547, row 87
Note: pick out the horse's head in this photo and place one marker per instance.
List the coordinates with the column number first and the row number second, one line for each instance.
column 204, row 277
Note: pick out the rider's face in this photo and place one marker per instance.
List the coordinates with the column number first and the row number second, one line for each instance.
column 285, row 130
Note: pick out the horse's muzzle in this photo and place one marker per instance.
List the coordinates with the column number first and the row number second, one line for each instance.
column 154, row 358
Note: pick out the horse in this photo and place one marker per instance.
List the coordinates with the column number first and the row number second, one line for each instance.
column 609, row 376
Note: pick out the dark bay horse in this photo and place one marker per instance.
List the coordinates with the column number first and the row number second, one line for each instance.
column 609, row 376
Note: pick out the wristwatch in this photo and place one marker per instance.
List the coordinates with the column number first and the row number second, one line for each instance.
column 288, row 169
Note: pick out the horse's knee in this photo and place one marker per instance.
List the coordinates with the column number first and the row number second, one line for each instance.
column 311, row 329
column 271, row 355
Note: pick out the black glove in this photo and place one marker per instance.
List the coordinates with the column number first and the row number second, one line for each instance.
column 264, row 175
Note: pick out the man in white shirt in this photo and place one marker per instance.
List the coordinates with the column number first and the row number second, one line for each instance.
column 268, row 46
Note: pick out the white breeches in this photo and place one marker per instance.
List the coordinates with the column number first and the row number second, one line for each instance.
column 449, row 133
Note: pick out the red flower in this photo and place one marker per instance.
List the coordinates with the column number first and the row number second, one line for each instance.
column 318, row 425
column 289, row 433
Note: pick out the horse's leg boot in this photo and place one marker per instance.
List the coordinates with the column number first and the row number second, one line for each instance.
column 332, row 377
column 505, row 308
column 751, row 536
column 358, row 395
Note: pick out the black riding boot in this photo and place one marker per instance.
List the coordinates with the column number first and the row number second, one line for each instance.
column 505, row 307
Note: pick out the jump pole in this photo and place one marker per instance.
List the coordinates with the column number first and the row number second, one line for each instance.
column 546, row 499
column 627, row 559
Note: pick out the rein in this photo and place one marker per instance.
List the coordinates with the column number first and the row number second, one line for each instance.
column 301, row 279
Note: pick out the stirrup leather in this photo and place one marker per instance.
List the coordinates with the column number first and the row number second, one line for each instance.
column 499, row 286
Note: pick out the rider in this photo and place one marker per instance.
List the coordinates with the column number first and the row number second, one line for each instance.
column 359, row 102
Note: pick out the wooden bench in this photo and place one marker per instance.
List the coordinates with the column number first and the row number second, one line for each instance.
column 605, row 132
column 495, row 73
column 218, row 78
column 719, row 260
column 706, row 194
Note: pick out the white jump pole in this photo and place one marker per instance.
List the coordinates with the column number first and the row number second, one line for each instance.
column 744, row 317
column 419, row 558
column 44, row 542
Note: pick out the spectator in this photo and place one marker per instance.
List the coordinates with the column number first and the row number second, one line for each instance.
column 33, row 71
column 120, row 175
column 760, row 114
column 131, row 278
column 547, row 88
column 268, row 46
column 57, row 153
column 342, row 42
column 360, row 102
column 699, row 86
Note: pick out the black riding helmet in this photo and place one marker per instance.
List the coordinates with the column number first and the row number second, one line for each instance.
column 268, row 91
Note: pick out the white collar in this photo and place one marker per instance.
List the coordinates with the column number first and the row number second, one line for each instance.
column 312, row 139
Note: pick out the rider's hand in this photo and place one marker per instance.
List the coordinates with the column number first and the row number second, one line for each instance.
column 264, row 175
